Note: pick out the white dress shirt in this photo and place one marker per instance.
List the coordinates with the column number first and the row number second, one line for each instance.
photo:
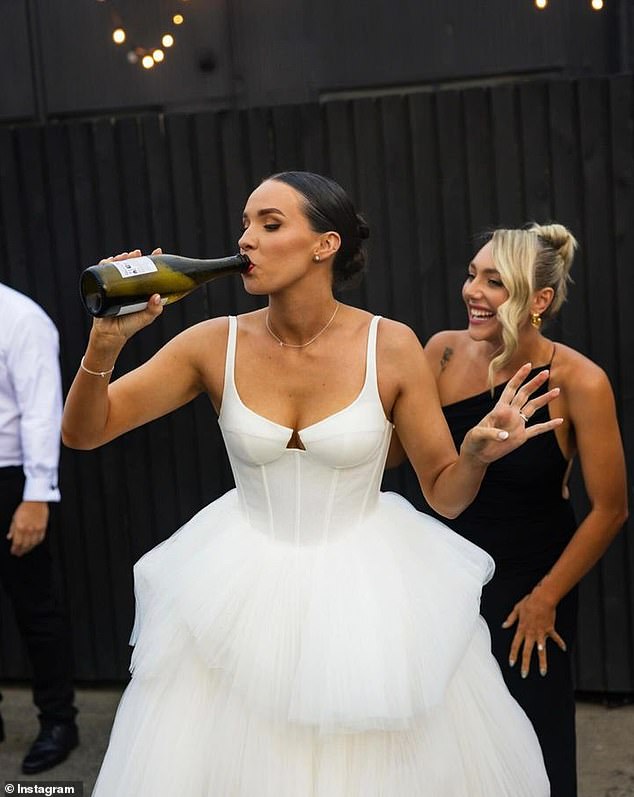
column 30, row 394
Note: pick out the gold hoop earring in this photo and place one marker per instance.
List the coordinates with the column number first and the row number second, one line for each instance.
column 536, row 320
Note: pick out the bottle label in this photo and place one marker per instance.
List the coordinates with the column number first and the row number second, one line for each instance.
column 136, row 308
column 134, row 267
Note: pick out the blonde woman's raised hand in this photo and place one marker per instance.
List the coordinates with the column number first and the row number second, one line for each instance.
column 506, row 427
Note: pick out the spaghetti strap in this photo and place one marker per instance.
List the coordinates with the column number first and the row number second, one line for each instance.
column 552, row 356
column 371, row 377
column 230, row 357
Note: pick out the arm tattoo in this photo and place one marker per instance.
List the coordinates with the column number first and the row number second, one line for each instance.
column 446, row 356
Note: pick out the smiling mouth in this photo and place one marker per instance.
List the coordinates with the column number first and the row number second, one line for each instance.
column 480, row 315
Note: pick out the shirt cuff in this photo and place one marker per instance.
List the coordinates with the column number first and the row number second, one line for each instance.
column 40, row 489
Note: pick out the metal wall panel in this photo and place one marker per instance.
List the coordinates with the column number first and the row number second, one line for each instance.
column 16, row 73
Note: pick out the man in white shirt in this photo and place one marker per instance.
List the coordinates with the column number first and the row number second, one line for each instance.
column 30, row 417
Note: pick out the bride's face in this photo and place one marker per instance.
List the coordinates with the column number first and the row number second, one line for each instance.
column 277, row 238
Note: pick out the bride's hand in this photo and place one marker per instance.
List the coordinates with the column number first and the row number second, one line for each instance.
column 505, row 427
column 121, row 328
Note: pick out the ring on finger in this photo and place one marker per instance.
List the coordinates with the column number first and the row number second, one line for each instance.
column 523, row 417
column 540, row 646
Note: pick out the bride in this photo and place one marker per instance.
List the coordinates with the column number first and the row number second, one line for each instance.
column 306, row 635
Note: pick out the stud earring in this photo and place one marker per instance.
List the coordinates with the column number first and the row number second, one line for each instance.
column 536, row 320
column 316, row 258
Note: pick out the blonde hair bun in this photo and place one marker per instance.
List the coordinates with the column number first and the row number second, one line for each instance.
column 560, row 239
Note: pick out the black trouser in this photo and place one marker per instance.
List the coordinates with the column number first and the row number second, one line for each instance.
column 41, row 618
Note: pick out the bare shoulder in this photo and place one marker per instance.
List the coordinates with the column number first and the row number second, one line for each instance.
column 442, row 346
column 396, row 339
column 200, row 348
column 400, row 361
column 454, row 339
column 209, row 333
column 578, row 375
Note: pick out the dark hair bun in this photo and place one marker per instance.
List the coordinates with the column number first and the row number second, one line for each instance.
column 364, row 230
column 347, row 274
column 350, row 262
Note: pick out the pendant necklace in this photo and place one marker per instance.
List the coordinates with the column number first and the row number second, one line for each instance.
column 299, row 345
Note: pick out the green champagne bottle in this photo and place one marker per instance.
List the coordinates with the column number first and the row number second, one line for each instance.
column 125, row 286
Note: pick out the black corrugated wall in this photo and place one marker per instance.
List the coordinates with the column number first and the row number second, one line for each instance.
column 429, row 170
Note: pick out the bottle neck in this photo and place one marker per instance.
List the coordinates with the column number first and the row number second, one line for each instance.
column 196, row 266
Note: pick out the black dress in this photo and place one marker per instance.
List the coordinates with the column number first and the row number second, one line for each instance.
column 520, row 517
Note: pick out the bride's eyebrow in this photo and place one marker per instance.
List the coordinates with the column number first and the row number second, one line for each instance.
column 267, row 211
column 264, row 212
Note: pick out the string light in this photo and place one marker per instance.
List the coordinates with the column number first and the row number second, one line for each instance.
column 147, row 57
column 596, row 5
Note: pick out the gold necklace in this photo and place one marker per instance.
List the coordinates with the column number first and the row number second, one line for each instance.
column 300, row 345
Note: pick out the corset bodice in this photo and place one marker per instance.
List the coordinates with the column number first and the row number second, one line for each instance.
column 309, row 495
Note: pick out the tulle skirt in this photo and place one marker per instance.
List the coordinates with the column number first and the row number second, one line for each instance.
column 356, row 668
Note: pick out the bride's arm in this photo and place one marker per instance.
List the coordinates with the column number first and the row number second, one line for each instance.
column 450, row 480
column 96, row 410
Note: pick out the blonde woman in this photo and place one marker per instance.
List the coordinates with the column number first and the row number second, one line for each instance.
column 522, row 515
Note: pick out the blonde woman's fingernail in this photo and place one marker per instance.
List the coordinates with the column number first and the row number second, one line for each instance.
column 503, row 435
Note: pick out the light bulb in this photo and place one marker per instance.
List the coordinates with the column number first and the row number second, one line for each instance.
column 167, row 40
column 178, row 19
column 118, row 36
column 158, row 55
column 597, row 5
column 147, row 61
column 541, row 3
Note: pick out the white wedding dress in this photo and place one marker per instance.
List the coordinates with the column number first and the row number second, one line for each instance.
column 306, row 635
